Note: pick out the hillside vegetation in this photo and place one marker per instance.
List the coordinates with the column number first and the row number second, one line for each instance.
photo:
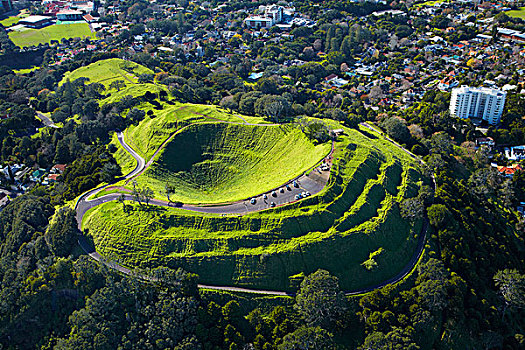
column 219, row 162
column 354, row 220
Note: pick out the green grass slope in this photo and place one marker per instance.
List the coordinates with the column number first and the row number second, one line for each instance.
column 356, row 216
column 27, row 37
column 107, row 71
column 220, row 162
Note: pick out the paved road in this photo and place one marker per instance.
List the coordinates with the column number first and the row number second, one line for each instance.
column 46, row 120
column 313, row 184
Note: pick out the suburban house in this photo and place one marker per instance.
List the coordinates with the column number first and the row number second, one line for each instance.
column 508, row 171
column 58, row 169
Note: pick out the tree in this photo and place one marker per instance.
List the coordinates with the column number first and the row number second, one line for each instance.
column 109, row 171
column 319, row 300
column 438, row 215
column 483, row 181
column 397, row 129
column 228, row 102
column 308, row 338
column 117, row 84
column 147, row 194
column 511, row 285
column 412, row 208
column 432, row 284
column 168, row 189
column 272, row 107
column 146, row 78
column 62, row 234
column 122, row 200
column 136, row 193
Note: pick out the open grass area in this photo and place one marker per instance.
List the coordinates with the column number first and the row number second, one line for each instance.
column 430, row 3
column 28, row 37
column 14, row 19
column 341, row 229
column 218, row 162
column 517, row 13
column 26, row 70
column 107, row 71
column 9, row 21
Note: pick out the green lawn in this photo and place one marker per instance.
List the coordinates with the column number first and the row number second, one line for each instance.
column 338, row 229
column 217, row 162
column 26, row 70
column 10, row 21
column 517, row 13
column 429, row 3
column 29, row 37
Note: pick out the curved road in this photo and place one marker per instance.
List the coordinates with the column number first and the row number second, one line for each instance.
column 83, row 205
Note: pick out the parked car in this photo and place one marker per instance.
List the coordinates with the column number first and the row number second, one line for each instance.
column 295, row 184
column 253, row 201
column 281, row 190
column 272, row 204
column 265, row 196
column 274, row 194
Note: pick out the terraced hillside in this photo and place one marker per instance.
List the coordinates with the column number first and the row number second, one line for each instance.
column 352, row 228
column 220, row 162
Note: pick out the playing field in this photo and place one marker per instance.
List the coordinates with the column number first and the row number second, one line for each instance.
column 28, row 37
column 517, row 13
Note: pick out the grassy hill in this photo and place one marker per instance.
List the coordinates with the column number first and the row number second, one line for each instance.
column 146, row 137
column 352, row 228
column 107, row 71
column 28, row 37
column 219, row 162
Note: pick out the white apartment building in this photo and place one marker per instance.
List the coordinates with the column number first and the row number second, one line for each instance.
column 273, row 14
column 478, row 103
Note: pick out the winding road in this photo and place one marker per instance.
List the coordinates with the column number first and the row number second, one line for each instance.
column 312, row 184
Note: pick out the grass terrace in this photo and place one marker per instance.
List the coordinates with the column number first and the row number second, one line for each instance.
column 352, row 227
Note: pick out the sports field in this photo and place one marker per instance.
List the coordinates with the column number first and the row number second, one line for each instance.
column 28, row 37
column 517, row 13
